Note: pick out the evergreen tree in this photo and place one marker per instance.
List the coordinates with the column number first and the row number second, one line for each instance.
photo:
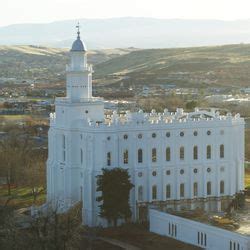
column 115, row 186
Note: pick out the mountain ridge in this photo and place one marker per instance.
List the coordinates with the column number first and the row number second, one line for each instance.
column 140, row 32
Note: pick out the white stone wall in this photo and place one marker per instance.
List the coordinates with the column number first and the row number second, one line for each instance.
column 196, row 233
column 87, row 145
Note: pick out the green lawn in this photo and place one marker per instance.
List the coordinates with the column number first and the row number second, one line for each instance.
column 247, row 177
column 20, row 197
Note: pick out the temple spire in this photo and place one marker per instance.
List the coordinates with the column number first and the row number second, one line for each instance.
column 78, row 30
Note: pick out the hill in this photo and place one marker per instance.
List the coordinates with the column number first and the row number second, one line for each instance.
column 227, row 65
column 21, row 63
column 126, row 32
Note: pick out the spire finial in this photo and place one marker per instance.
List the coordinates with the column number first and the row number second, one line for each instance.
column 78, row 30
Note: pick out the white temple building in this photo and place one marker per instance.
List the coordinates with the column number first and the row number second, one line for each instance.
column 175, row 159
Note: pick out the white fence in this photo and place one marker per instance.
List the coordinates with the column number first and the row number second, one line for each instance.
column 196, row 233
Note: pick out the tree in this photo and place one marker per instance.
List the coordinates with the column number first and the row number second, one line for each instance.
column 191, row 105
column 34, row 171
column 12, row 151
column 48, row 231
column 115, row 186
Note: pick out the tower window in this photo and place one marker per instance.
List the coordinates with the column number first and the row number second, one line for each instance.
column 125, row 137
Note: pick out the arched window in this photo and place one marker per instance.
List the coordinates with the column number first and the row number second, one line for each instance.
column 154, row 192
column 195, row 153
column 125, row 156
column 182, row 153
column 209, row 188
column 182, row 190
column 195, row 189
column 154, row 155
column 140, row 193
column 209, row 152
column 168, row 154
column 140, row 155
column 81, row 156
column 222, row 187
column 221, row 151
column 109, row 159
column 168, row 191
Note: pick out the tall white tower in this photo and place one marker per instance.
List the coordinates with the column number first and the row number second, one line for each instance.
column 79, row 73
column 74, row 115
column 79, row 103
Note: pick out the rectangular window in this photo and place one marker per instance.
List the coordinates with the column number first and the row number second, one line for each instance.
column 154, row 192
column 195, row 153
column 140, row 155
column 140, row 193
column 182, row 190
column 209, row 188
column 154, row 155
column 109, row 159
column 182, row 153
column 168, row 154
column 195, row 189
column 221, row 151
column 125, row 156
column 209, row 152
column 222, row 187
column 81, row 153
column 168, row 191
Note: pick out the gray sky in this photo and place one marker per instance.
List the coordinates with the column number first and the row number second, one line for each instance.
column 28, row 11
